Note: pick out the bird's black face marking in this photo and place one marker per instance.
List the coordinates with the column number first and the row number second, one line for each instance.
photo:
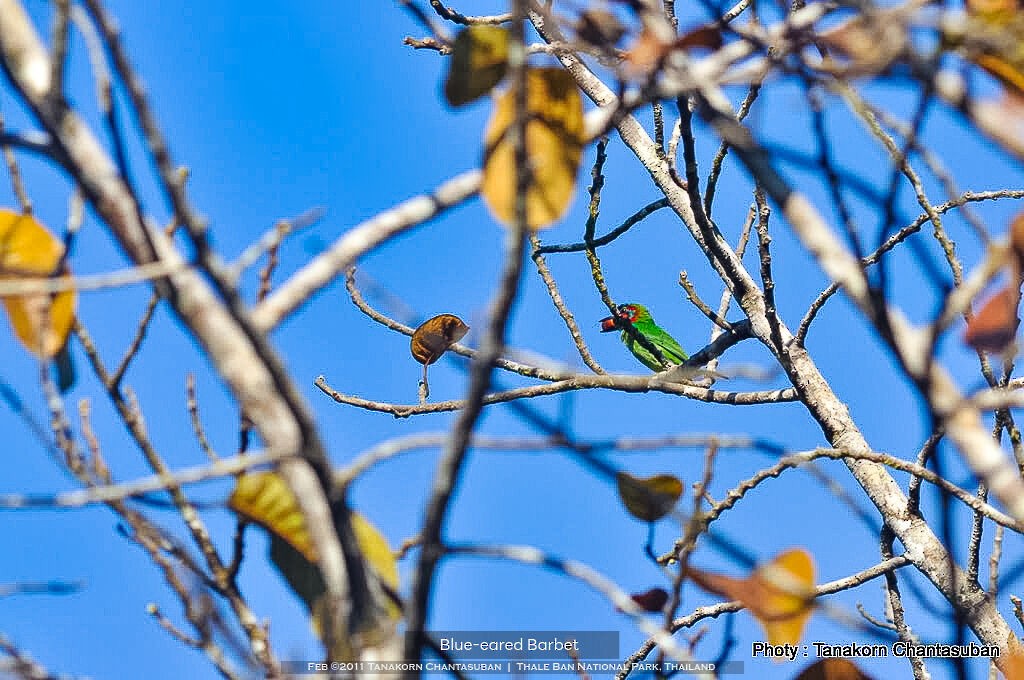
column 629, row 313
column 625, row 314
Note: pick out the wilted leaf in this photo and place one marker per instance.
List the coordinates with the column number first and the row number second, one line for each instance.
column 376, row 550
column 600, row 28
column 833, row 669
column 42, row 322
column 996, row 10
column 435, row 336
column 1006, row 68
column 868, row 44
column 652, row 600
column 265, row 499
column 783, row 602
column 993, row 38
column 649, row 499
column 1017, row 239
column 646, row 53
column 381, row 559
column 554, row 147
column 778, row 594
column 1012, row 664
column 994, row 327
column 708, row 36
column 478, row 63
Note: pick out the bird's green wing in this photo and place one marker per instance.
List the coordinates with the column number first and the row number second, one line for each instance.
column 666, row 344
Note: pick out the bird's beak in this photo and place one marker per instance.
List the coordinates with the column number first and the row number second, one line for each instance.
column 608, row 324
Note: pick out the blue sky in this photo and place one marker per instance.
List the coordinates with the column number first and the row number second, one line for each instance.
column 280, row 107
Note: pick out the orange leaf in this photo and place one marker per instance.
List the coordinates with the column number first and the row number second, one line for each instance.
column 994, row 327
column 778, row 594
column 435, row 336
column 1012, row 665
column 649, row 499
column 554, row 148
column 784, row 596
column 833, row 669
column 42, row 322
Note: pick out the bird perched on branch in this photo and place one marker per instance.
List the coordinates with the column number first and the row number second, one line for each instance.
column 640, row 335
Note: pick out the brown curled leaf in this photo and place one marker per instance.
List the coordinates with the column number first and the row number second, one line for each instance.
column 435, row 336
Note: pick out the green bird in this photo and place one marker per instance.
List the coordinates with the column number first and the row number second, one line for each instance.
column 637, row 316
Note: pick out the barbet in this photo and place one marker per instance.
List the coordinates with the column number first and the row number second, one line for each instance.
column 640, row 319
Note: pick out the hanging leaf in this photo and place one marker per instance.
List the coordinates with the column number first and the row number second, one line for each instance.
column 1012, row 663
column 653, row 600
column 780, row 594
column 554, row 147
column 832, row 669
column 264, row 498
column 646, row 53
column 993, row 38
column 376, row 550
column 1017, row 240
column 381, row 559
column 600, row 28
column 649, row 499
column 42, row 322
column 994, row 327
column 479, row 61
column 994, row 10
column 708, row 37
column 1007, row 68
column 866, row 45
column 434, row 337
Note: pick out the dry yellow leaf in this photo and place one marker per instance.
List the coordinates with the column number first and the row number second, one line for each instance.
column 42, row 322
column 478, row 63
column 554, row 147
